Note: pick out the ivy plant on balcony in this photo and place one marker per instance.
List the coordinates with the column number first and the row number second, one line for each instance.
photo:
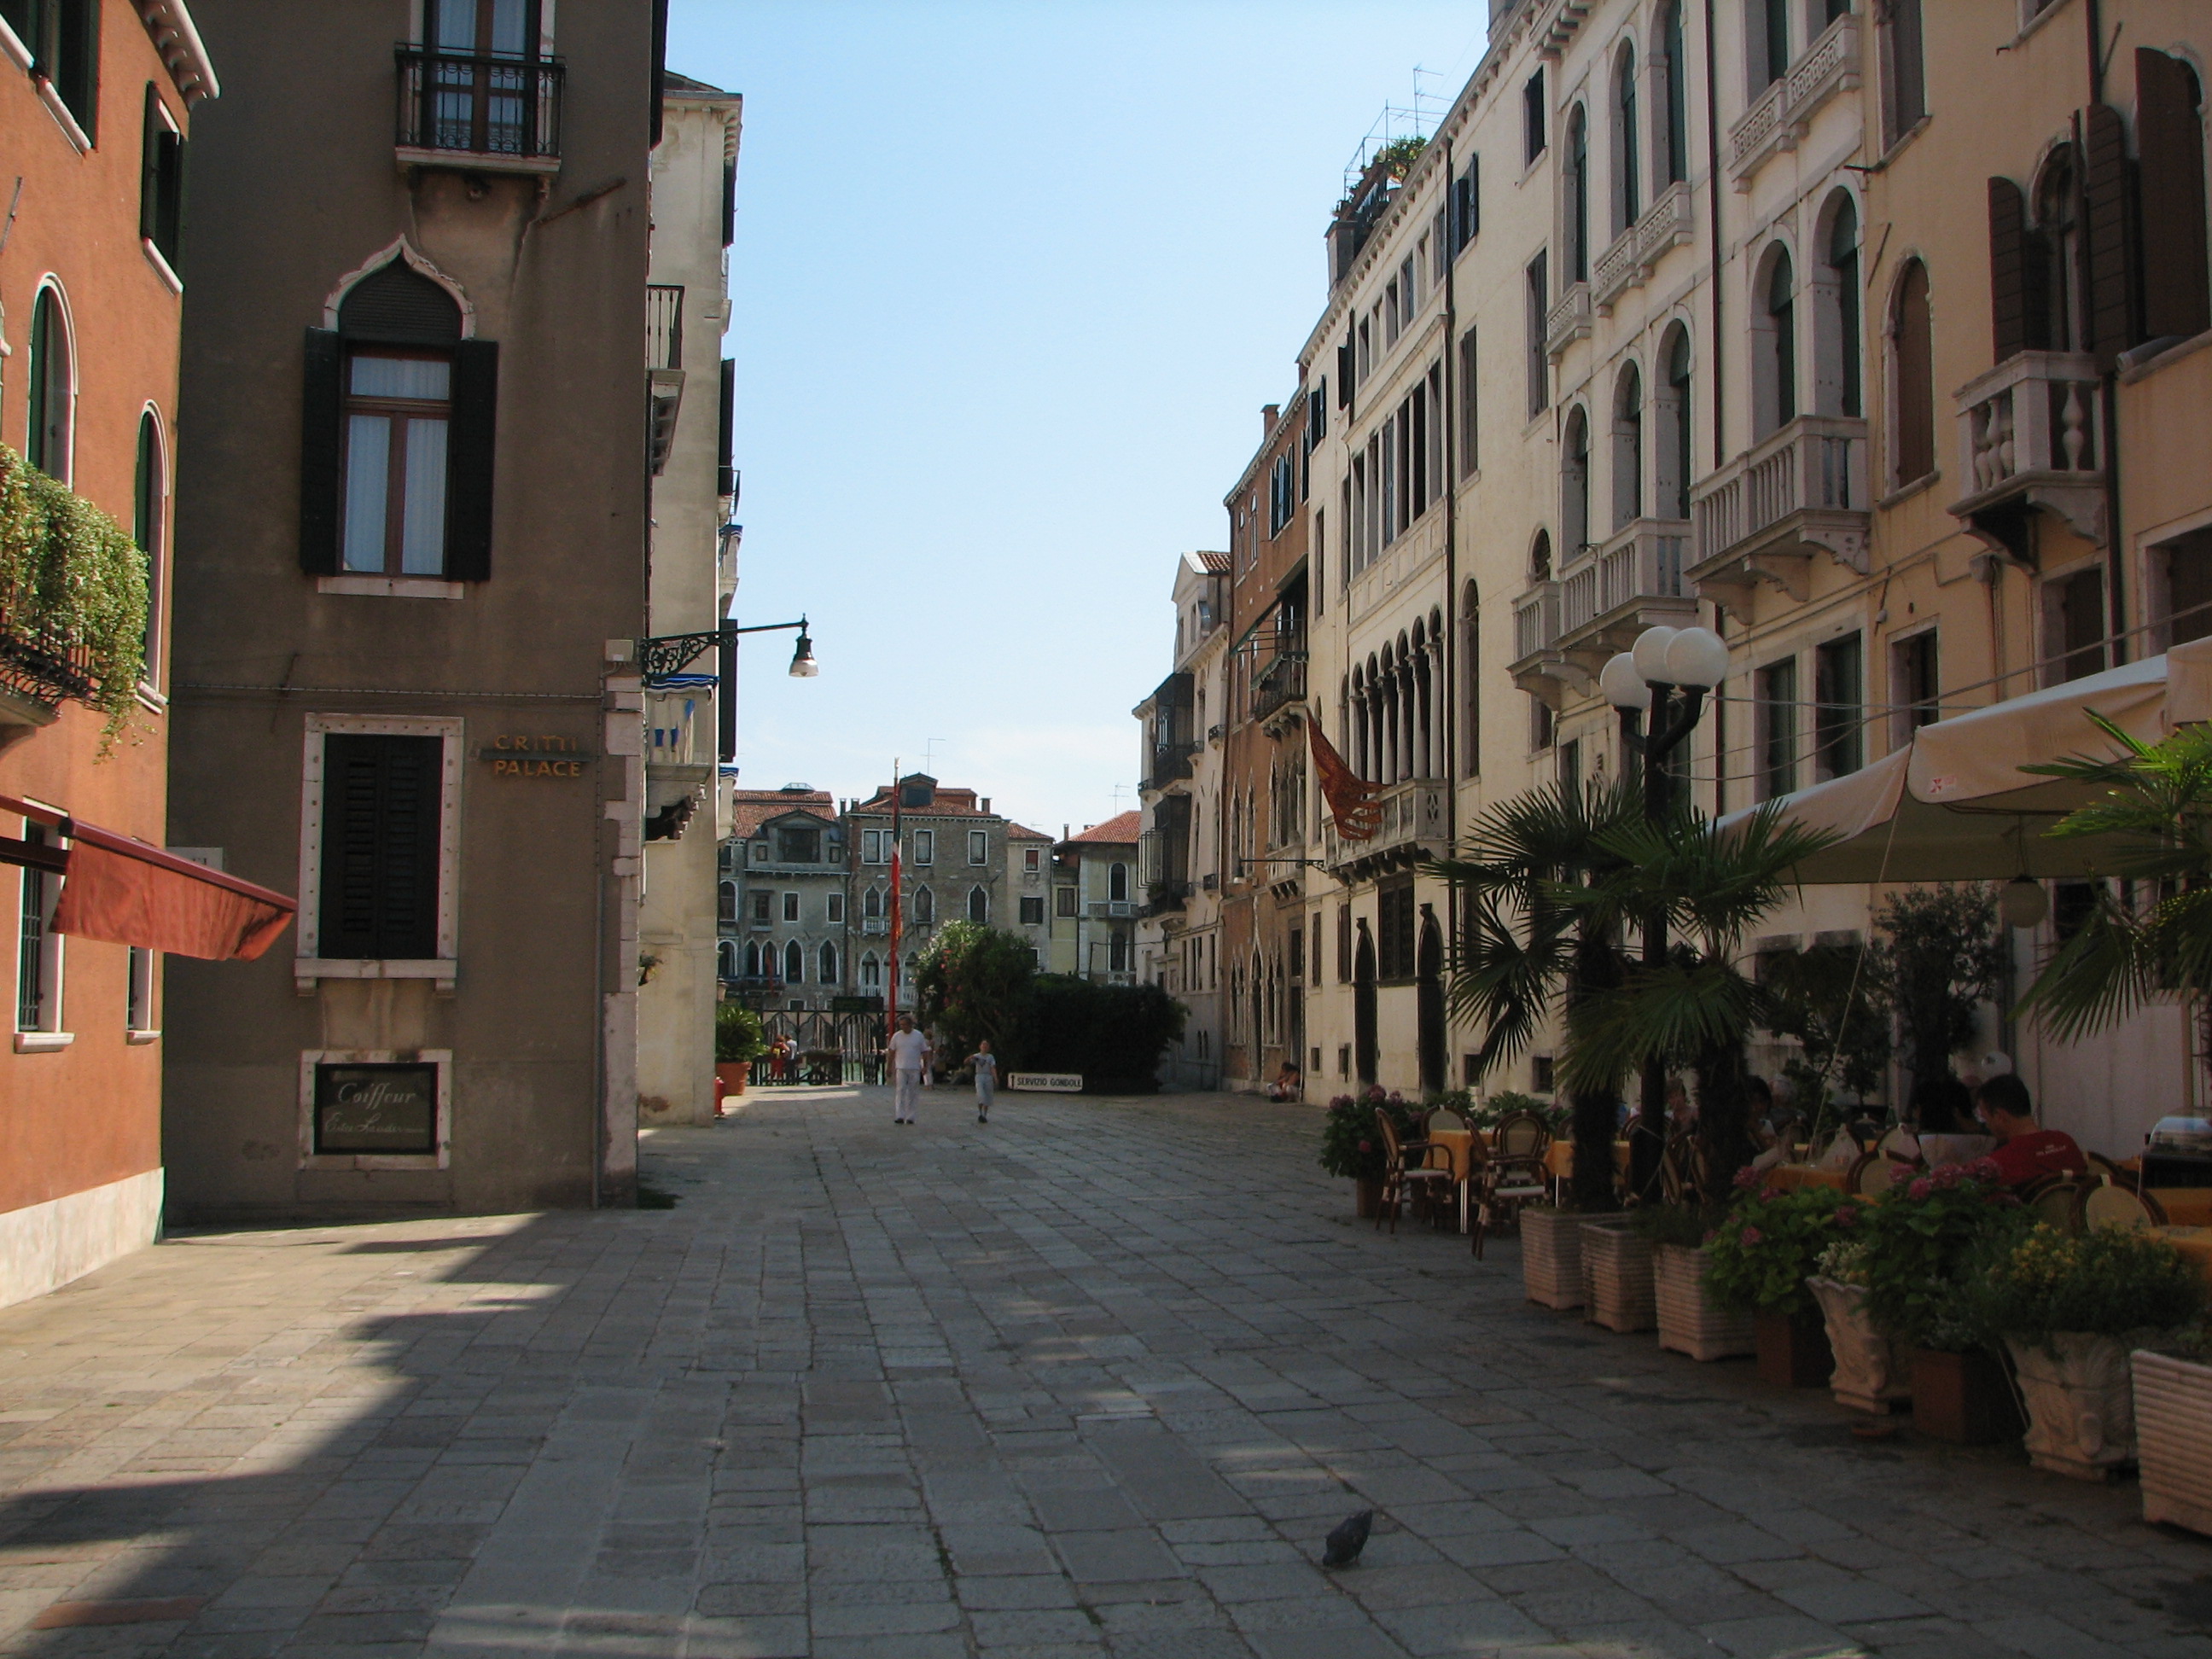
column 72, row 597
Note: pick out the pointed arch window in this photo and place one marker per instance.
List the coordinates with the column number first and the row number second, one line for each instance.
column 826, row 963
column 979, row 905
column 794, row 964
column 871, row 973
column 925, row 907
column 50, row 436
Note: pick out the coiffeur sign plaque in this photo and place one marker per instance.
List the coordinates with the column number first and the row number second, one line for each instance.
column 522, row 756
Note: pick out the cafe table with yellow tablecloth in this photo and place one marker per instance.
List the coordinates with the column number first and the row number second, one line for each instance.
column 2185, row 1207
column 1789, row 1177
column 1457, row 1145
column 1560, row 1160
column 2194, row 1242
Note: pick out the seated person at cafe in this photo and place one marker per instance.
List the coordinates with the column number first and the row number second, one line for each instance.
column 2024, row 1153
column 1285, row 1085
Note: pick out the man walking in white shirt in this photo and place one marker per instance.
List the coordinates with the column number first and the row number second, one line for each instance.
column 909, row 1053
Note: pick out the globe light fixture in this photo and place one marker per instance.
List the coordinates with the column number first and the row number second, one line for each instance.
column 1696, row 656
column 2024, row 904
column 803, row 665
column 1649, row 652
column 1624, row 688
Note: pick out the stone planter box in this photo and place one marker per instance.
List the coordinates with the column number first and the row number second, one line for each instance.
column 1366, row 1199
column 2174, row 1439
column 1793, row 1353
column 1690, row 1321
column 1963, row 1398
column 1867, row 1377
column 2080, row 1403
column 1552, row 1258
column 1619, row 1291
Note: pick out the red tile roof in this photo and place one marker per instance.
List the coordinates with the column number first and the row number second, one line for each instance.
column 752, row 808
column 948, row 803
column 1119, row 830
column 1019, row 832
column 1217, row 564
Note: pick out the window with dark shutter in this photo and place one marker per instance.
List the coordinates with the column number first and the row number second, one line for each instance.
column 322, row 428
column 2176, row 295
column 162, row 177
column 2008, row 320
column 379, row 865
column 476, row 420
column 2114, row 308
column 725, row 431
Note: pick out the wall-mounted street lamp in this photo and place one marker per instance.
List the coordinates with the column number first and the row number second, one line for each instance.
column 664, row 664
column 1659, row 685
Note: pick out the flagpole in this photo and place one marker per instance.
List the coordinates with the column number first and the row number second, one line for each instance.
column 891, row 980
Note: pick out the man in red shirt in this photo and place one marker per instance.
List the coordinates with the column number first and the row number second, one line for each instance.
column 2024, row 1153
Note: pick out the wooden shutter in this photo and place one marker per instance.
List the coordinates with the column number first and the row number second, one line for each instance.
column 2114, row 308
column 322, row 446
column 1344, row 372
column 379, row 866
column 2008, row 322
column 2176, row 295
column 725, row 432
column 469, row 478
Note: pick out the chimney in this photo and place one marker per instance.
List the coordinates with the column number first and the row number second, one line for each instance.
column 987, row 803
column 1269, row 414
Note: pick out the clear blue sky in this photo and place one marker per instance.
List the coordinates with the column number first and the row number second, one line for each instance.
column 1011, row 283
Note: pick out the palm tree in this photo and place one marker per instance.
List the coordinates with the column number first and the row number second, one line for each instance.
column 2147, row 940
column 1526, row 945
column 1695, row 1007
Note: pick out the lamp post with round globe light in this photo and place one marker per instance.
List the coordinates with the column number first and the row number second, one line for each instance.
column 1659, row 686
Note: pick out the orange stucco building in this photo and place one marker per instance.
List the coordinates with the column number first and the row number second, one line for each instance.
column 95, row 101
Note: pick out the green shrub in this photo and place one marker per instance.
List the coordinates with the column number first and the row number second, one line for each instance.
column 2108, row 1281
column 971, row 985
column 1350, row 1144
column 1114, row 1035
column 1769, row 1243
column 737, row 1034
column 1919, row 1238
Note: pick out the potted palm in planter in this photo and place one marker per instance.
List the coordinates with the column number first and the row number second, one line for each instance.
column 738, row 1041
column 1758, row 1261
column 2174, row 1430
column 1692, row 1320
column 2068, row 1309
column 1552, row 1256
column 1619, row 1290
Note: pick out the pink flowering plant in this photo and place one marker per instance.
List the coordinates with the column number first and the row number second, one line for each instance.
column 1919, row 1238
column 1351, row 1144
column 1770, row 1241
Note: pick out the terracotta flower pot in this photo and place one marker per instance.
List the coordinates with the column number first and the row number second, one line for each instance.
column 2174, row 1439
column 1867, row 1377
column 1552, row 1258
column 1690, row 1321
column 1366, row 1199
column 2080, row 1403
column 1618, row 1288
column 1963, row 1398
column 1793, row 1353
column 733, row 1073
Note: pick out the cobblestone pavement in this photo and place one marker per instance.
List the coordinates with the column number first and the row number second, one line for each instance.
column 1092, row 1380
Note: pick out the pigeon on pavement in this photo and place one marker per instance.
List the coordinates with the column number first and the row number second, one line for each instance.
column 1348, row 1540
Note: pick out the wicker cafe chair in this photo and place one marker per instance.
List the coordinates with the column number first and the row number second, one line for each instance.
column 2057, row 1200
column 2112, row 1206
column 1875, row 1173
column 2103, row 1169
column 1499, row 1186
column 1408, row 1167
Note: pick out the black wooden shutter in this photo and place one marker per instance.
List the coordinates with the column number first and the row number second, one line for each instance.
column 321, row 446
column 2113, row 306
column 725, row 432
column 2177, row 289
column 379, row 867
column 468, row 464
column 2008, row 269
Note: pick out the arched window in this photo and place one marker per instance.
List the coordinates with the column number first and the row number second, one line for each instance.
column 2170, row 140
column 1627, row 158
column 49, row 434
column 1470, row 680
column 401, row 335
column 871, row 973
column 794, row 964
column 1912, row 377
column 925, row 906
column 1628, row 448
column 148, row 526
column 1774, row 345
column 2058, row 246
column 1117, row 953
column 754, row 961
column 725, row 901
column 1839, row 390
column 726, row 960
column 1676, row 131
column 979, row 905
column 1578, row 201
column 1117, row 883
column 1671, row 409
column 872, row 904
column 1574, row 485
column 827, row 963
column 1539, row 557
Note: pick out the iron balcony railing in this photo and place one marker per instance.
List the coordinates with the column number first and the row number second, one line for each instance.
column 482, row 106
column 1282, row 681
column 664, row 325
column 43, row 661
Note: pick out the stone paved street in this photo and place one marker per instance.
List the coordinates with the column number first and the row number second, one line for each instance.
column 1093, row 1380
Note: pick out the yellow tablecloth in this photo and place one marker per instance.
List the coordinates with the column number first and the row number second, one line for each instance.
column 2195, row 1243
column 1559, row 1158
column 1791, row 1176
column 1456, row 1142
column 2185, row 1207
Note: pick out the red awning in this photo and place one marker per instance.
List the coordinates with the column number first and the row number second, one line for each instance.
column 129, row 891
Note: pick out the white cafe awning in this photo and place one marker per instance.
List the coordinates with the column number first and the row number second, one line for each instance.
column 1954, row 806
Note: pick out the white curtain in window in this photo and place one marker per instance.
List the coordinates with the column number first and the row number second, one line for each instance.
column 369, row 468
column 422, row 520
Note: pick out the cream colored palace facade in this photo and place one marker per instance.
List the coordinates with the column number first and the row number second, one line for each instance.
column 1875, row 336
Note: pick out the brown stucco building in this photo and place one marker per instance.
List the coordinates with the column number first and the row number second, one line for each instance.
column 411, row 537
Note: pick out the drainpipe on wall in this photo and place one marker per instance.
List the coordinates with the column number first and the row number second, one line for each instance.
column 1713, row 213
column 2108, row 400
column 1454, row 668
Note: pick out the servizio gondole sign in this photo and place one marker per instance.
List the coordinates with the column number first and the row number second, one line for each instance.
column 520, row 755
